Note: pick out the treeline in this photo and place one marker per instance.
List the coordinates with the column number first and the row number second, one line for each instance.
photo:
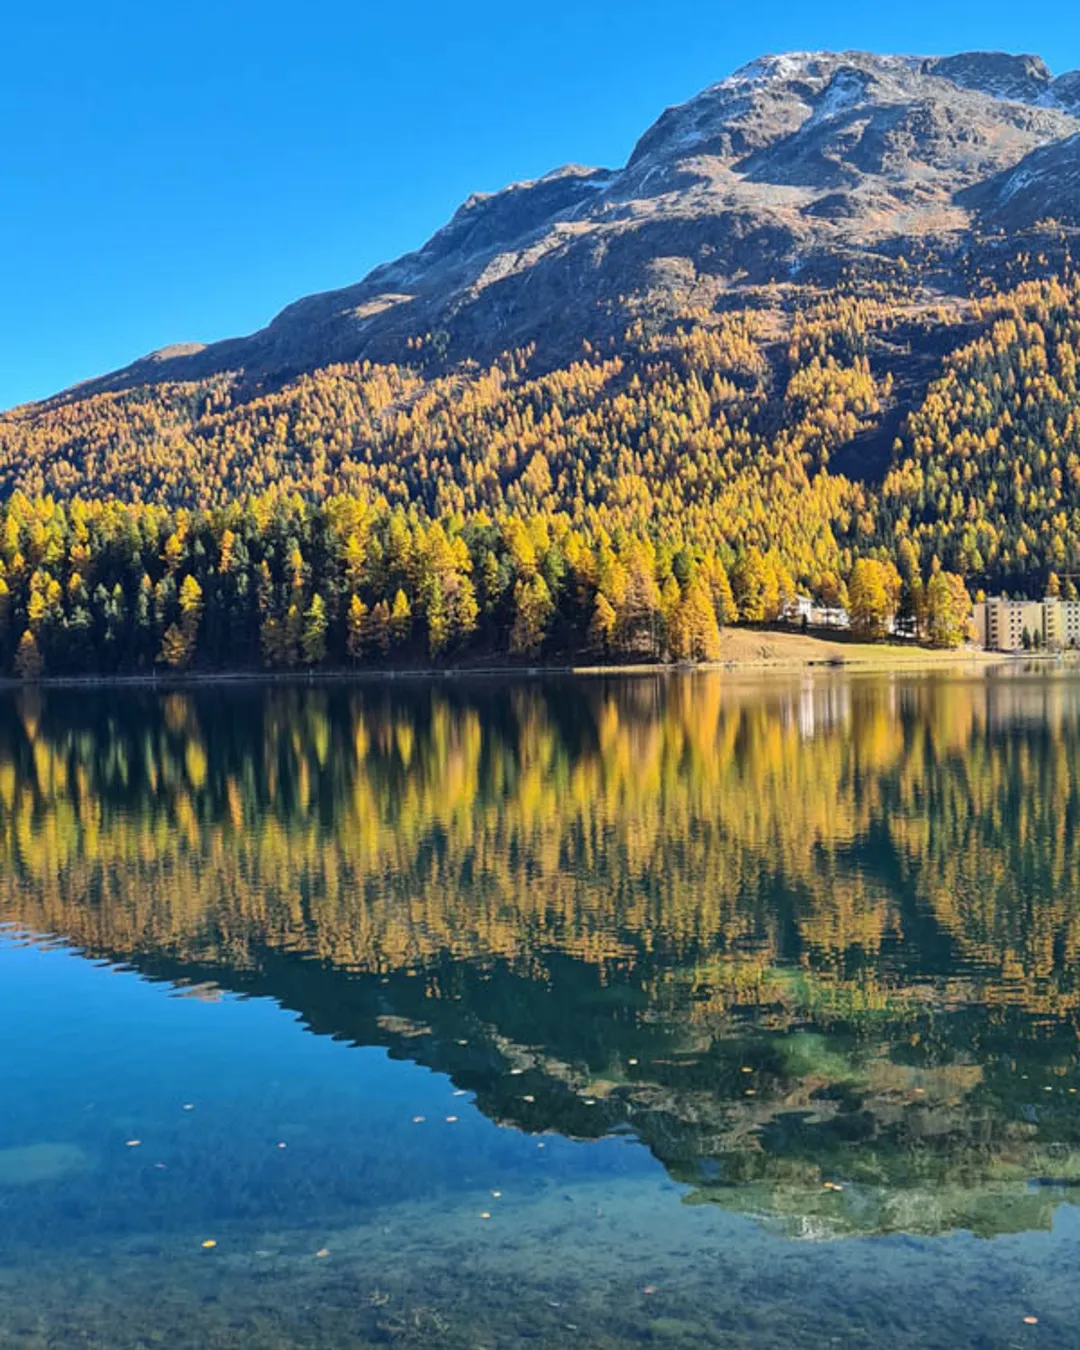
column 724, row 427
column 281, row 583
column 707, row 430
column 627, row 505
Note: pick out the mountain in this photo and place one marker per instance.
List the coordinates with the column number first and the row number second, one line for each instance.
column 800, row 168
column 826, row 311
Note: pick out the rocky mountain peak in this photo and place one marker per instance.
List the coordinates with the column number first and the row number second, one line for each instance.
column 776, row 96
column 1023, row 79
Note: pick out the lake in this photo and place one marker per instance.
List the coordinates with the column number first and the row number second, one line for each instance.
column 684, row 1010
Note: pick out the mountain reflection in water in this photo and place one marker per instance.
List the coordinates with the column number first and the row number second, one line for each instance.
column 813, row 942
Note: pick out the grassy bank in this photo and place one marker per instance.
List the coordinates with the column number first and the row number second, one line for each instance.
column 749, row 647
column 740, row 649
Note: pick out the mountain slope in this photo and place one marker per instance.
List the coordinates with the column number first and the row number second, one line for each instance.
column 800, row 167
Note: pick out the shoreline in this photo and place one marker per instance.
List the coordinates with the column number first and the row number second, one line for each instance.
column 770, row 656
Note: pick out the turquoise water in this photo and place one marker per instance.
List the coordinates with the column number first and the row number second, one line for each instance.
column 679, row 1011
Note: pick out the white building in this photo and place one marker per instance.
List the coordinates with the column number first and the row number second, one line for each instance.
column 824, row 616
column 803, row 609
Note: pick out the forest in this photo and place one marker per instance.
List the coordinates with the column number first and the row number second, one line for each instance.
column 279, row 583
column 624, row 507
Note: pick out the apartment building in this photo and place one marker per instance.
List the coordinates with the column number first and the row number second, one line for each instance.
column 1001, row 623
column 1061, row 623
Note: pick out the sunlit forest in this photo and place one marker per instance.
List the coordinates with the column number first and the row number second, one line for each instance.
column 282, row 584
column 627, row 506
column 852, row 899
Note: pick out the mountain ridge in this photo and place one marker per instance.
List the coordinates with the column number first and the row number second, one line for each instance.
column 798, row 168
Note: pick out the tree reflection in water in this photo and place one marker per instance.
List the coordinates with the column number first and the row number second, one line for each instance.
column 813, row 941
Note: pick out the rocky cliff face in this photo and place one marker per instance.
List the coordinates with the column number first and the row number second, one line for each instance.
column 794, row 171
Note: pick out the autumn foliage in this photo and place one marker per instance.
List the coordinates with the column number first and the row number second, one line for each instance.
column 629, row 504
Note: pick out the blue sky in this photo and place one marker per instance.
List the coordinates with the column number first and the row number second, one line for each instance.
column 180, row 172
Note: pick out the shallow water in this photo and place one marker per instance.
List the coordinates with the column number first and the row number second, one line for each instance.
column 684, row 1011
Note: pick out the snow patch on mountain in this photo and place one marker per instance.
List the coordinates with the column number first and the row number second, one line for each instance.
column 847, row 91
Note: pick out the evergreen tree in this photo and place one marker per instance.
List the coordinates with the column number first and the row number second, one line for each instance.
column 948, row 609
column 313, row 642
column 355, row 627
column 29, row 664
column 533, row 608
column 400, row 617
